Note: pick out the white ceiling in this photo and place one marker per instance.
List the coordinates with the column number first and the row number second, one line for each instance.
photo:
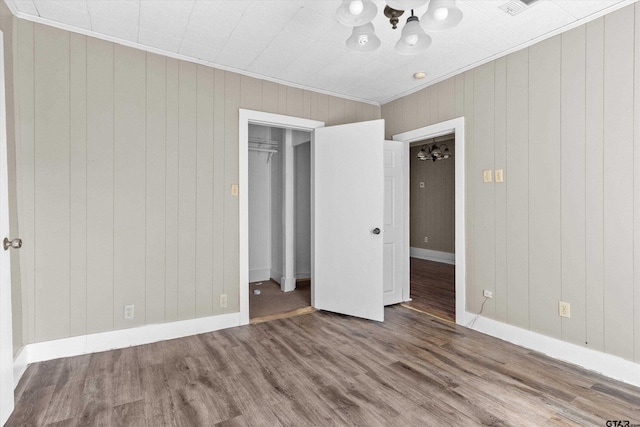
column 300, row 42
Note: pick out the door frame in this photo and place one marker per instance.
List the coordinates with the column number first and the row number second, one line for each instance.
column 454, row 125
column 246, row 117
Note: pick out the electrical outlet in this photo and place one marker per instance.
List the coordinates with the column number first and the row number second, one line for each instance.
column 426, row 239
column 234, row 190
column 223, row 300
column 129, row 312
column 564, row 309
column 486, row 175
column 487, row 293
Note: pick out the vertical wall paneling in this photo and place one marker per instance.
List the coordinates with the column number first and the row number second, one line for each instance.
column 156, row 146
column 573, row 169
column 459, row 88
column 129, row 184
column 500, row 218
column 336, row 111
column 219, row 184
column 471, row 178
column 618, row 182
column 484, row 193
column 24, row 80
column 446, row 92
column 172, row 196
column 544, row 186
column 269, row 97
column 594, row 190
column 204, row 195
column 636, row 189
column 424, row 108
column 251, row 93
column 78, row 184
column 517, row 187
column 187, row 172
column 313, row 104
column 100, row 92
column 294, row 101
column 231, row 213
column 282, row 99
column 410, row 111
column 323, row 108
column 51, row 182
column 350, row 111
column 306, row 105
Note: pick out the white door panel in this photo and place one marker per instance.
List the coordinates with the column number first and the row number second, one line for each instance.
column 394, row 252
column 6, row 333
column 348, row 188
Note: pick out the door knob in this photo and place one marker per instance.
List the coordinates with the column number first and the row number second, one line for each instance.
column 376, row 230
column 15, row 243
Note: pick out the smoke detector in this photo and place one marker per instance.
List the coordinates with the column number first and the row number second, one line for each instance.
column 514, row 7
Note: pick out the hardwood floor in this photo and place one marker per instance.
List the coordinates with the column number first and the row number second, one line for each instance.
column 272, row 301
column 322, row 369
column 433, row 288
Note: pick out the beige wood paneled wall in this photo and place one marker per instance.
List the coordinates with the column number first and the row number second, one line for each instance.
column 125, row 162
column 562, row 119
column 433, row 206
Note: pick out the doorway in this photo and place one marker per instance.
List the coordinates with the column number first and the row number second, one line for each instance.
column 279, row 181
column 455, row 126
column 432, row 226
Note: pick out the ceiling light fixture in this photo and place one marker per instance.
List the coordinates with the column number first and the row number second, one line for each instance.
column 413, row 38
column 363, row 38
column 434, row 152
column 441, row 15
column 419, row 75
column 354, row 13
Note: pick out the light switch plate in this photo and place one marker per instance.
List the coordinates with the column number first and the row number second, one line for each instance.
column 234, row 190
column 486, row 175
column 499, row 175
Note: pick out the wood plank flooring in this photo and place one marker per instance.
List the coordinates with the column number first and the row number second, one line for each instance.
column 322, row 369
column 433, row 288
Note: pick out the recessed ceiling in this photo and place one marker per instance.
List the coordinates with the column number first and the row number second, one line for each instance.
column 300, row 42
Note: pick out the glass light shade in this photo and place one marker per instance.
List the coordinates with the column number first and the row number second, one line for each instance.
column 406, row 4
column 363, row 38
column 441, row 15
column 346, row 17
column 422, row 154
column 411, row 32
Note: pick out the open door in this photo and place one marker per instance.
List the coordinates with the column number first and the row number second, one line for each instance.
column 6, row 334
column 347, row 207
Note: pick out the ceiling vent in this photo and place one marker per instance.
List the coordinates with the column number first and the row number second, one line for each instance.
column 516, row 6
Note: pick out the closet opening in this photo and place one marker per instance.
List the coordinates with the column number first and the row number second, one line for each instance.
column 279, row 204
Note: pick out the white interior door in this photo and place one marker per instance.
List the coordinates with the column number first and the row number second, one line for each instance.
column 394, row 247
column 6, row 333
column 347, row 207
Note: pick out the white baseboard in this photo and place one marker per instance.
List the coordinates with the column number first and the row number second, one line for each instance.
column 103, row 341
column 431, row 255
column 259, row 275
column 606, row 364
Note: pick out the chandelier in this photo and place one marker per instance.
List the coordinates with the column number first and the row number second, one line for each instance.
column 441, row 15
column 434, row 152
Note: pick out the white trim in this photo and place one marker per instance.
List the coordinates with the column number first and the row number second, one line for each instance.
column 104, row 341
column 606, row 364
column 265, row 119
column 431, row 255
column 454, row 125
column 259, row 275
